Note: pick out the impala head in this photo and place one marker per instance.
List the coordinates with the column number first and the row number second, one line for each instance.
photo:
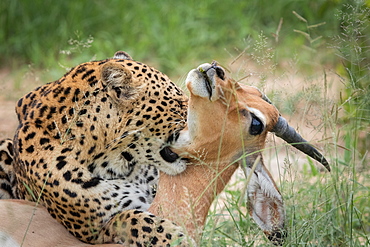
column 228, row 122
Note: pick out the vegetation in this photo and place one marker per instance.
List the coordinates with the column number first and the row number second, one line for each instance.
column 322, row 209
column 323, row 44
column 169, row 34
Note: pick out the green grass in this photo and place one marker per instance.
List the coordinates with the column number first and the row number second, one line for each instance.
column 170, row 34
column 323, row 209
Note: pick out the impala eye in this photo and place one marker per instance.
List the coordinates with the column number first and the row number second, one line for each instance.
column 256, row 126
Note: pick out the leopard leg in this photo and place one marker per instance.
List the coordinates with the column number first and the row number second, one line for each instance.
column 139, row 228
column 6, row 169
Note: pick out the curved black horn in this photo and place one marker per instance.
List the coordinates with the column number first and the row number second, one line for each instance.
column 288, row 134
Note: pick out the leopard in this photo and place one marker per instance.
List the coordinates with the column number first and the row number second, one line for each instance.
column 6, row 168
column 89, row 147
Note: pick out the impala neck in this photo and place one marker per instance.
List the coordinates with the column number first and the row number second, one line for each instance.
column 186, row 198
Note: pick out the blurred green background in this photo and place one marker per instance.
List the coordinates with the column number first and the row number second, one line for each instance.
column 175, row 36
column 169, row 34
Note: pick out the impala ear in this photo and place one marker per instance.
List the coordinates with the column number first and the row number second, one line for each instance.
column 264, row 201
column 119, row 81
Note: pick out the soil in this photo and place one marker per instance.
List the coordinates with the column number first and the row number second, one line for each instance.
column 13, row 85
column 8, row 119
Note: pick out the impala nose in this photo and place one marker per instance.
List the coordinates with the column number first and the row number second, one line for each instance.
column 220, row 72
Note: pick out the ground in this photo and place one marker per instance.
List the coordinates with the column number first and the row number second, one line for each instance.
column 13, row 85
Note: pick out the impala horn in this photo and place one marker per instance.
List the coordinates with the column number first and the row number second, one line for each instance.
column 288, row 134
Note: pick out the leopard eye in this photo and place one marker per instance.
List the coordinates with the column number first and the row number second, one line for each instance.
column 256, row 127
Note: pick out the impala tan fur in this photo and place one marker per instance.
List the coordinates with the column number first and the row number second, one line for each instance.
column 22, row 223
column 227, row 125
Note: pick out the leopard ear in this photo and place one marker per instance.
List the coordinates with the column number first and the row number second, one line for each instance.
column 264, row 201
column 119, row 81
column 122, row 55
